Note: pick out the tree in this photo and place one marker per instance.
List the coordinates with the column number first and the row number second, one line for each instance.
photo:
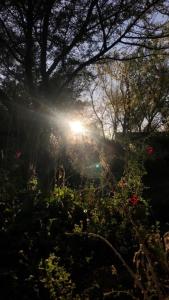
column 134, row 94
column 150, row 78
column 47, row 43
column 46, row 46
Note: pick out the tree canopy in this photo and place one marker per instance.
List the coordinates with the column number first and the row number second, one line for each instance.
column 132, row 96
column 46, row 44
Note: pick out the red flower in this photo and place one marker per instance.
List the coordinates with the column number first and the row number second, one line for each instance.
column 18, row 154
column 134, row 199
column 150, row 150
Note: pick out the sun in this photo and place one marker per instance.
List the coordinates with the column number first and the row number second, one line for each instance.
column 77, row 127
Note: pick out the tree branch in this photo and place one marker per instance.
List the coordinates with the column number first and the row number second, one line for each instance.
column 43, row 43
column 113, row 249
column 76, row 39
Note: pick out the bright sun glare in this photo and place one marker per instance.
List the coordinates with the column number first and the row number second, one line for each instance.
column 76, row 127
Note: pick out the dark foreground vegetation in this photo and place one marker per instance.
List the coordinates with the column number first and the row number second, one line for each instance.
column 97, row 240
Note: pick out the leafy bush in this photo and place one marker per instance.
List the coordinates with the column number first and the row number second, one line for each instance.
column 63, row 245
column 56, row 279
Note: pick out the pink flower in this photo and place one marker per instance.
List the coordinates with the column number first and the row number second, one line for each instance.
column 150, row 150
column 134, row 199
column 18, row 154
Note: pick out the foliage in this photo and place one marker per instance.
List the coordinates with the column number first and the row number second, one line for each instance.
column 93, row 240
column 132, row 96
column 51, row 34
column 87, row 242
column 55, row 278
column 46, row 50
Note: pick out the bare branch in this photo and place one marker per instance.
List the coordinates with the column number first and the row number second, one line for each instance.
column 114, row 251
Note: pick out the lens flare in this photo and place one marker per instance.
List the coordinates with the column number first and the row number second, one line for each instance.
column 77, row 127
